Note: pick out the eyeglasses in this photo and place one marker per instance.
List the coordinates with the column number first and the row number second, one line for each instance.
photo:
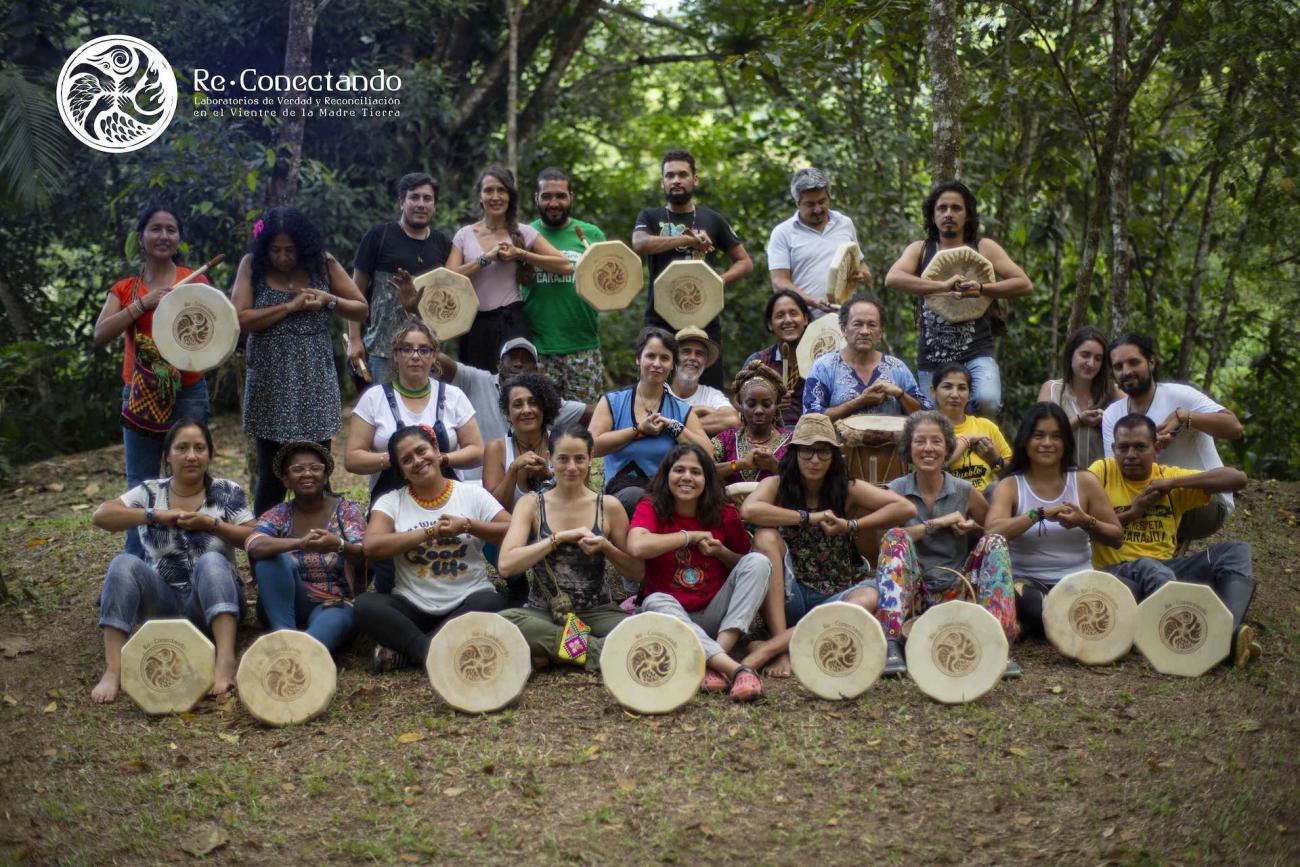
column 407, row 349
column 299, row 469
column 823, row 453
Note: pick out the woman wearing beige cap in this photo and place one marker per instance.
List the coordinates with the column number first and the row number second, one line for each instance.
column 814, row 519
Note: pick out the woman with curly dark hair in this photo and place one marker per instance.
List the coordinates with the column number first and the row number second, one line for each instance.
column 518, row 463
column 498, row 253
column 698, row 566
column 287, row 289
column 751, row 452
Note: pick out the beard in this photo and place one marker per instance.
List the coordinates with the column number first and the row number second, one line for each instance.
column 680, row 198
column 559, row 223
column 688, row 377
column 1136, row 389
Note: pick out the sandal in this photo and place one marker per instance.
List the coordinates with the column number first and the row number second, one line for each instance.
column 714, row 682
column 746, row 686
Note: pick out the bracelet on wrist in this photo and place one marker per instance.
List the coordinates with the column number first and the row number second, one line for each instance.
column 343, row 544
column 929, row 526
column 686, row 539
column 803, row 517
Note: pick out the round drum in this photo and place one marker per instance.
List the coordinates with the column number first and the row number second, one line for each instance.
column 871, row 447
column 448, row 303
column 195, row 327
column 844, row 262
column 652, row 663
column 820, row 337
column 969, row 264
column 286, row 677
column 478, row 662
column 956, row 652
column 168, row 666
column 1184, row 629
column 608, row 276
column 738, row 491
column 1090, row 616
column 688, row 292
column 838, row 650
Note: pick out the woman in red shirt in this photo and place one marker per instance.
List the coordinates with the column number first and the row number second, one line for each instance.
column 699, row 568
column 128, row 310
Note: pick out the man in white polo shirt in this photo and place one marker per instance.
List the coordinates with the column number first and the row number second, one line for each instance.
column 695, row 354
column 800, row 250
column 1187, row 424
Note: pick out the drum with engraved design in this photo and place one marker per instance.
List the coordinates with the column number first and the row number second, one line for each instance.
column 871, row 447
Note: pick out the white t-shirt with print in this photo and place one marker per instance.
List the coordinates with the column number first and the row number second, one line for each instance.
column 374, row 410
column 706, row 397
column 438, row 575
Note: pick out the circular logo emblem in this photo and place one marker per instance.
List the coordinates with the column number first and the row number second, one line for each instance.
column 651, row 661
column 1182, row 629
column 611, row 277
column 286, row 678
column 955, row 651
column 116, row 93
column 164, row 665
column 1091, row 615
column 478, row 660
column 687, row 296
column 193, row 327
column 445, row 305
column 837, row 652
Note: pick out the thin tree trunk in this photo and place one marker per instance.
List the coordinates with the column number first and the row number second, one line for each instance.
column 293, row 119
column 1192, row 306
column 945, row 88
column 512, row 91
column 1121, row 258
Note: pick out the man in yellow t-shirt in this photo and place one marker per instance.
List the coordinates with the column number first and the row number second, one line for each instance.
column 1150, row 500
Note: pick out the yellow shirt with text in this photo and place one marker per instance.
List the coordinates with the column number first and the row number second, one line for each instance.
column 971, row 467
column 1155, row 534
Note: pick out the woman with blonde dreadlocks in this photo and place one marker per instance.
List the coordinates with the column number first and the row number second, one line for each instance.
column 751, row 452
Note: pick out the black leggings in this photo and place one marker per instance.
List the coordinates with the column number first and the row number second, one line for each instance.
column 399, row 625
column 270, row 490
column 1030, row 598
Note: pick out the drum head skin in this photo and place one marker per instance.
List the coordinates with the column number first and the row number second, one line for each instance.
column 688, row 292
column 195, row 327
column 885, row 424
column 478, row 662
column 838, row 650
column 448, row 303
column 1184, row 629
column 843, row 263
column 286, row 677
column 608, row 276
column 738, row 491
column 652, row 663
column 822, row 336
column 1091, row 616
column 956, row 652
column 969, row 264
column 168, row 666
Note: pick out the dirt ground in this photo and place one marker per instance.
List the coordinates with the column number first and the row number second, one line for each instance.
column 1070, row 765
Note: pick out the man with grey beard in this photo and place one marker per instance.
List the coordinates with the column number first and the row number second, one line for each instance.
column 696, row 353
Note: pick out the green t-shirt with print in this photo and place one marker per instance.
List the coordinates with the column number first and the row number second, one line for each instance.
column 561, row 322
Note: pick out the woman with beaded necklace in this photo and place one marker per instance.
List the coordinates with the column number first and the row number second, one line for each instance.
column 433, row 529
column 752, row 451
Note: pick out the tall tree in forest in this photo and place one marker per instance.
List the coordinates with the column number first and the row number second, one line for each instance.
column 945, row 91
column 303, row 15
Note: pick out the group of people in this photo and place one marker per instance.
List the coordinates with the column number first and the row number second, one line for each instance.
column 484, row 462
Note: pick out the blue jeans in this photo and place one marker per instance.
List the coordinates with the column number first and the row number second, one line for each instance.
column 800, row 598
column 1225, row 567
column 144, row 453
column 283, row 603
column 378, row 365
column 985, row 385
column 134, row 592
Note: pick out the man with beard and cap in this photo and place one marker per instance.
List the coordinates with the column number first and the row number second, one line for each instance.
column 483, row 388
column 800, row 250
column 565, row 328
column 951, row 220
column 680, row 230
column 1153, row 501
column 695, row 352
column 1187, row 423
column 389, row 255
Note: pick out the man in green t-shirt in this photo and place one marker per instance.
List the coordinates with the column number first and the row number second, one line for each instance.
column 565, row 328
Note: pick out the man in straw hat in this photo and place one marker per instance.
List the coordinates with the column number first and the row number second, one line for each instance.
column 1150, row 500
column 696, row 353
column 951, row 221
column 681, row 229
column 800, row 249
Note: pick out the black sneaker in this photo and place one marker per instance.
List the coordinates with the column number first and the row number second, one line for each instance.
column 895, row 665
column 385, row 659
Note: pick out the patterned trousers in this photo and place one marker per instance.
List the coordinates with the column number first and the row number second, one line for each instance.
column 903, row 593
column 578, row 375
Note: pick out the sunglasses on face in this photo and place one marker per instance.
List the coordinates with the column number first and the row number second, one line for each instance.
column 823, row 453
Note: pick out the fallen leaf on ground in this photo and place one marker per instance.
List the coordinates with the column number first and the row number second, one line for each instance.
column 591, row 751
column 51, row 707
column 136, row 766
column 1056, row 690
column 10, row 700
column 453, row 791
column 205, row 840
column 1249, row 725
column 50, row 753
column 228, row 737
column 91, row 489
column 874, row 742
column 12, row 645
column 1018, row 751
column 36, row 543
column 55, row 487
column 81, row 507
column 410, row 737
column 625, row 784
column 687, row 727
column 832, row 822
column 287, row 787
column 408, row 858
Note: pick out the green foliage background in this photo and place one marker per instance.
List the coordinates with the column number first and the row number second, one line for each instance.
column 768, row 87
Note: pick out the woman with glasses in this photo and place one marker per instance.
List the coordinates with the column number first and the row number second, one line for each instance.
column 412, row 397
column 306, row 553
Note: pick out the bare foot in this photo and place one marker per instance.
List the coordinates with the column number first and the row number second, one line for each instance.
column 105, row 692
column 779, row 667
column 541, row 663
column 224, row 680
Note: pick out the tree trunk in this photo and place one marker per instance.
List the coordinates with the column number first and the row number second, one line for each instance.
column 945, row 89
column 293, row 120
column 512, row 92
column 1121, row 258
column 1192, row 305
column 567, row 44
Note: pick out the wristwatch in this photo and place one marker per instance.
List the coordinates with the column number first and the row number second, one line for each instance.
column 342, row 544
column 482, row 261
column 148, row 515
column 333, row 302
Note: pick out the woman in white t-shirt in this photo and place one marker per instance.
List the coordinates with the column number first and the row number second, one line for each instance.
column 433, row 529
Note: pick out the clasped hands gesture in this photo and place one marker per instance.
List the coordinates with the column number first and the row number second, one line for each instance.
column 1068, row 515
column 589, row 542
column 307, row 299
column 955, row 521
column 652, row 425
column 530, row 463
column 192, row 521
column 878, row 392
column 960, row 287
column 983, row 447
column 759, row 458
